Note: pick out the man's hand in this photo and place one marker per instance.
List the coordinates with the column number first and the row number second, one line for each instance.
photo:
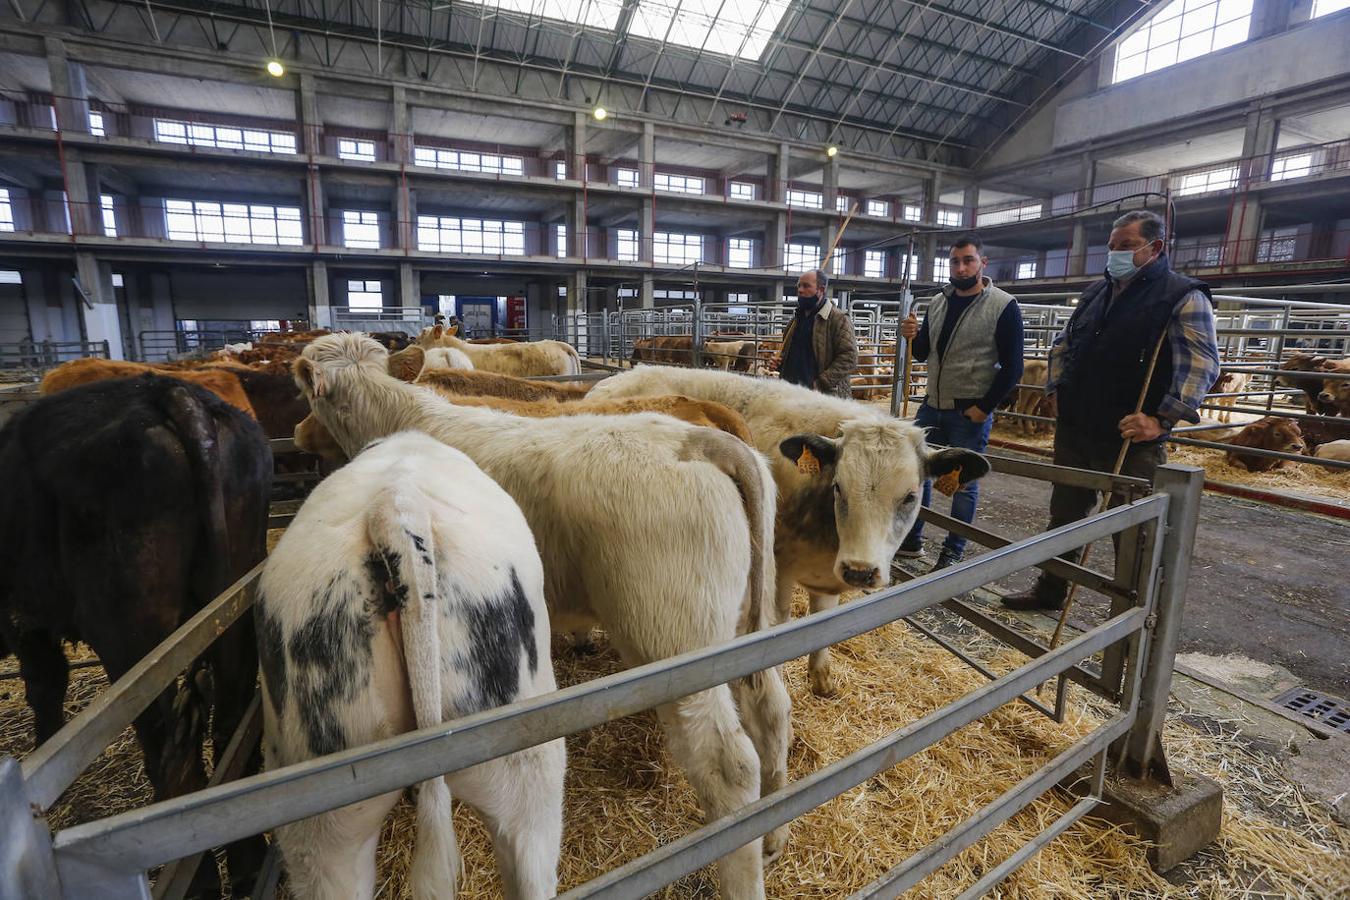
column 1139, row 428
column 976, row 415
column 909, row 327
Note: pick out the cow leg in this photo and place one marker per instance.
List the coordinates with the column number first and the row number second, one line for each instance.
column 822, row 681
column 45, row 678
column 333, row 854
column 719, row 759
column 766, row 714
column 520, row 798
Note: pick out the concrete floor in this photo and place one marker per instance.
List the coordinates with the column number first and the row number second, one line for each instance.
column 1268, row 585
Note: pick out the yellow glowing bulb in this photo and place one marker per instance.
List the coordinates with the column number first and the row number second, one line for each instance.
column 275, row 68
column 831, row 151
column 601, row 113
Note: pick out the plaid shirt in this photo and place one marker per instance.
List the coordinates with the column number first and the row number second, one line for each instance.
column 1195, row 359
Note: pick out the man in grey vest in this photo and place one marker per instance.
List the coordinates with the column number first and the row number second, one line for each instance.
column 972, row 341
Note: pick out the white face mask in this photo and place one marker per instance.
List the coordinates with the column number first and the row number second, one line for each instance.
column 1120, row 264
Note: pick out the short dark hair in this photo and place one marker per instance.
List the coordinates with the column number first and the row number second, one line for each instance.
column 969, row 239
column 1152, row 227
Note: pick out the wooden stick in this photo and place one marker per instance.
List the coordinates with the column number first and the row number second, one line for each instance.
column 835, row 243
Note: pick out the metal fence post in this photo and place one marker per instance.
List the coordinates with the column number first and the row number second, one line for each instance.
column 27, row 868
column 1143, row 747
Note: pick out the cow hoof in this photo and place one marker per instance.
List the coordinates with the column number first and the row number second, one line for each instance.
column 585, row 648
column 774, row 844
column 822, row 683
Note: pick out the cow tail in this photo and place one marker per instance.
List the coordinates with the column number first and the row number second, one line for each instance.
column 196, row 430
column 575, row 360
column 400, row 529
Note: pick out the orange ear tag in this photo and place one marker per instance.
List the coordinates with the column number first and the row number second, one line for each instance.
column 950, row 482
column 807, row 463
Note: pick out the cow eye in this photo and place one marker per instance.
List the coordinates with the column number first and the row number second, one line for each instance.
column 837, row 488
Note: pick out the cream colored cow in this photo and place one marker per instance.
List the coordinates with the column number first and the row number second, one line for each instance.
column 522, row 360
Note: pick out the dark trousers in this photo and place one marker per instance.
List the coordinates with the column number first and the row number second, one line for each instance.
column 1069, row 504
column 951, row 428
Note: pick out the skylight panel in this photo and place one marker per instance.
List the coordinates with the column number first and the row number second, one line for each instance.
column 729, row 27
column 593, row 13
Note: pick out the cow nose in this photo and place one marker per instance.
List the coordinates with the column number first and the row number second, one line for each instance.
column 1325, row 396
column 860, row 575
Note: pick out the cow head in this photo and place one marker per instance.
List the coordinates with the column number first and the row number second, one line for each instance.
column 1273, row 433
column 872, row 474
column 406, row 364
column 1335, row 391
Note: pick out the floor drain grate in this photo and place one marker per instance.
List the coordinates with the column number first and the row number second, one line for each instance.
column 1324, row 708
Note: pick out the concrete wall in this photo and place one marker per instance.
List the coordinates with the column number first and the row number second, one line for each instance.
column 13, row 314
column 238, row 294
column 1036, row 138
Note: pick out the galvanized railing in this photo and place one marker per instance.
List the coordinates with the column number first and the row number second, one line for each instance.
column 109, row 858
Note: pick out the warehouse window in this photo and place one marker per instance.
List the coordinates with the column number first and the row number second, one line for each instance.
column 742, row 190
column 839, row 262
column 913, row 266
column 451, row 234
column 1298, row 165
column 560, row 240
column 117, row 280
column 874, row 263
column 560, row 170
column 913, row 212
column 626, row 177
column 740, row 253
column 800, row 257
column 1008, row 215
column 361, row 229
column 677, row 249
column 878, row 208
column 626, row 245
column 226, row 137
column 96, row 124
column 468, row 161
column 1182, row 30
column 1026, row 270
column 807, row 199
column 952, row 218
column 232, row 223
column 941, row 267
column 593, row 13
column 1277, row 245
column 842, row 203
column 1327, row 7
column 679, row 184
column 709, row 26
column 1220, row 179
column 109, row 215
column 365, row 294
column 10, row 276
column 362, row 151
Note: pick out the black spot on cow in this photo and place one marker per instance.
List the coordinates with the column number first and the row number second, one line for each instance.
column 331, row 655
column 390, row 592
column 499, row 629
column 421, row 546
column 809, row 514
column 272, row 654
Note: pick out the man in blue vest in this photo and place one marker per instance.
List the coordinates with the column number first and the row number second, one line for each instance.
column 1097, row 369
column 972, row 341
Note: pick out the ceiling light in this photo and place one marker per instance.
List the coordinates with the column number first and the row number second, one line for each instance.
column 600, row 113
column 275, row 68
column 831, row 151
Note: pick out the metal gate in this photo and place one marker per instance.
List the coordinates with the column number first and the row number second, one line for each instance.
column 109, row 858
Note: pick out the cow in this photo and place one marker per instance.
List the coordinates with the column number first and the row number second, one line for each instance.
column 730, row 355
column 276, row 402
column 531, row 358
column 440, row 358
column 128, row 505
column 490, row 384
column 1310, row 385
column 1216, row 431
column 1338, row 450
column 620, row 505
column 848, row 480
column 1318, row 430
column 1269, row 433
column 223, row 383
column 392, row 341
column 1229, row 382
column 394, row 601
column 1032, row 400
column 1335, row 392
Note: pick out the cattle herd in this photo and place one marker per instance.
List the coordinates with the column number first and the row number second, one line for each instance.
column 469, row 514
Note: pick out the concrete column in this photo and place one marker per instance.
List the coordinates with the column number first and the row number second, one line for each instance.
column 83, row 194
column 403, row 230
column 1076, row 265
column 35, row 299
column 576, row 227
column 320, row 312
column 315, row 206
column 307, row 105
column 101, row 322
column 576, row 147
column 1245, row 214
column 70, row 91
column 645, row 297
column 926, row 246
column 776, row 290
column 647, row 155
column 829, row 188
column 400, row 127
column 646, row 228
column 970, row 203
column 775, row 236
column 576, row 292
column 776, row 190
column 409, row 285
column 1271, row 17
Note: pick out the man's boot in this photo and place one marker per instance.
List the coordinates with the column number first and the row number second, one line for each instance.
column 1047, row 593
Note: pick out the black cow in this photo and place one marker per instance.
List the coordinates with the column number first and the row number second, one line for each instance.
column 127, row 505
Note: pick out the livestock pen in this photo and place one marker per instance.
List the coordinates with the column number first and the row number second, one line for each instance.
column 110, row 857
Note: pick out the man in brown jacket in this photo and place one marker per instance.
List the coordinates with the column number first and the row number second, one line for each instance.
column 819, row 350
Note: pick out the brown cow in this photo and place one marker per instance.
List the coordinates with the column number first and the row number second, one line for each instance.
column 1324, row 429
column 1034, row 401
column 1270, row 433
column 1229, row 383
column 1336, row 391
column 1311, row 386
column 224, row 384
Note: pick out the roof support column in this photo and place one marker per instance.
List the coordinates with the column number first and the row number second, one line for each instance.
column 320, row 312
column 409, row 286
column 647, row 156
column 647, row 229
column 400, row 127
column 1077, row 263
column 647, row 298
column 98, row 307
column 1245, row 214
column 307, row 106
column 777, row 187
column 70, row 91
column 926, row 246
column 829, row 198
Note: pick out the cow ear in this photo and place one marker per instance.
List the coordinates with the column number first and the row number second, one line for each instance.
column 967, row 464
column 406, row 364
column 309, row 377
column 810, row 452
column 438, row 331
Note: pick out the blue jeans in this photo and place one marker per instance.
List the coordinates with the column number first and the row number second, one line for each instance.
column 951, row 428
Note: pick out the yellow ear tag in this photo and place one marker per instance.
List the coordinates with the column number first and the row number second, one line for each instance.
column 807, row 463
column 950, row 482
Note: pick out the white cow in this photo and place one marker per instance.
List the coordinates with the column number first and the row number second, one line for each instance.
column 441, row 358
column 1339, row 450
column 660, row 531
column 844, row 507
column 520, row 359
column 399, row 599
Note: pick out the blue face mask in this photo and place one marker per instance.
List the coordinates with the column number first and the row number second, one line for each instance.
column 1120, row 264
